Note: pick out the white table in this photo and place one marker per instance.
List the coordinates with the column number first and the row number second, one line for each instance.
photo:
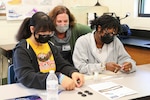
column 138, row 81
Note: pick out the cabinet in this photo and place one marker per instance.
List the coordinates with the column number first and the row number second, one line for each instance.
column 80, row 12
column 139, row 54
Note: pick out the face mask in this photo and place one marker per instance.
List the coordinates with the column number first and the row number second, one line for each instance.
column 107, row 38
column 43, row 38
column 62, row 29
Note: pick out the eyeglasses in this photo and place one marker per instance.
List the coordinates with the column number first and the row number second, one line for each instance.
column 51, row 34
column 113, row 33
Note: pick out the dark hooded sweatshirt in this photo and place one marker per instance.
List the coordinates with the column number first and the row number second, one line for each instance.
column 27, row 69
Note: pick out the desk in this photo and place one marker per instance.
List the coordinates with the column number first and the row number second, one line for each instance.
column 6, row 50
column 5, row 56
column 138, row 81
column 135, row 41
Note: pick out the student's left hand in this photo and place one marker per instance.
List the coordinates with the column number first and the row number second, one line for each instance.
column 126, row 67
column 78, row 78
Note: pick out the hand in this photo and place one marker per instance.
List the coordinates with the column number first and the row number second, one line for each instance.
column 68, row 83
column 78, row 79
column 113, row 67
column 126, row 67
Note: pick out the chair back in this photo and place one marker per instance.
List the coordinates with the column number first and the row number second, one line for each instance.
column 11, row 74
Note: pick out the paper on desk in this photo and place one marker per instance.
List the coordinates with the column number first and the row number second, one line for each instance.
column 112, row 90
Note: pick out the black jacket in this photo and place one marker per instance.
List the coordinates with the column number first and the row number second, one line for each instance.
column 27, row 69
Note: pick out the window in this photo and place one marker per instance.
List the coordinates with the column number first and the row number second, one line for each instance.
column 144, row 8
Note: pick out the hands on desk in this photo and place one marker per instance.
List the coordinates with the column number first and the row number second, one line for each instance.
column 68, row 83
column 126, row 67
column 78, row 78
column 76, row 81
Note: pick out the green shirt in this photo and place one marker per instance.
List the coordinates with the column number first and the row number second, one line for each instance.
column 77, row 31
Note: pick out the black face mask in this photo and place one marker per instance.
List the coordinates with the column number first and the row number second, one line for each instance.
column 43, row 38
column 107, row 38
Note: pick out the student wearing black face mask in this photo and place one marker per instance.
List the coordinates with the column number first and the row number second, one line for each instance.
column 43, row 38
column 107, row 38
column 101, row 50
column 34, row 56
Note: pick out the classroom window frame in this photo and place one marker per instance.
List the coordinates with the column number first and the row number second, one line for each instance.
column 141, row 8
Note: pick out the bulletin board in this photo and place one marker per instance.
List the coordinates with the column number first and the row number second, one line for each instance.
column 2, row 8
column 20, row 9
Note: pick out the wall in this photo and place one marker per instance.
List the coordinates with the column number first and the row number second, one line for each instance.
column 120, row 7
column 8, row 29
column 130, row 6
column 81, row 12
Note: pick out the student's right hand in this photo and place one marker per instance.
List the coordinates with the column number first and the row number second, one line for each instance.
column 111, row 66
column 68, row 83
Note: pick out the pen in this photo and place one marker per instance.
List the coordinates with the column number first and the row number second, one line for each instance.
column 60, row 91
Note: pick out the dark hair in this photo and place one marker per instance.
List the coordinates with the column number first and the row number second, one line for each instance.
column 39, row 20
column 59, row 10
column 106, row 22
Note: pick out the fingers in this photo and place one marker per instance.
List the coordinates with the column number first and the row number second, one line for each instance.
column 68, row 83
column 113, row 67
column 79, row 82
column 70, row 87
column 116, row 70
column 127, row 67
column 78, row 79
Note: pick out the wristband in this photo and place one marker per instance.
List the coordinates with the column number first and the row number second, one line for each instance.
column 61, row 77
